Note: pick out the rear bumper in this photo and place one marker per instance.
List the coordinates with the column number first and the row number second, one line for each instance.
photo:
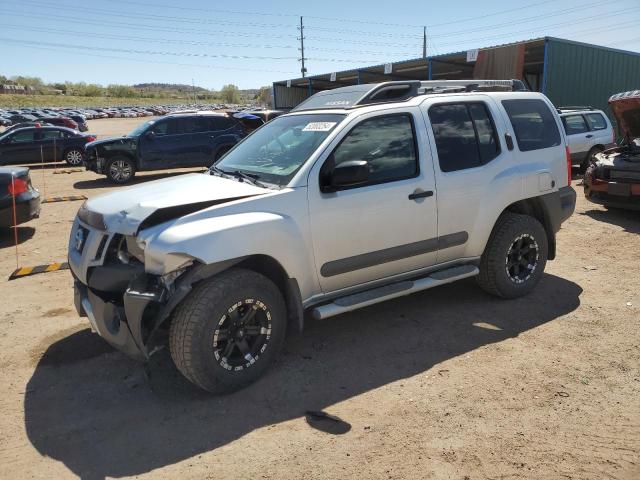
column 559, row 206
column 26, row 209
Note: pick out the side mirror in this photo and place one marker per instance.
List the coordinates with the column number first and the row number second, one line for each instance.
column 347, row 174
column 150, row 135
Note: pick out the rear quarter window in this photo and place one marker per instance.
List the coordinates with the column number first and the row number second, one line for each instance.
column 533, row 123
column 596, row 121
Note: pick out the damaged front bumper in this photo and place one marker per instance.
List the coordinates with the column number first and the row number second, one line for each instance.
column 121, row 301
column 122, row 326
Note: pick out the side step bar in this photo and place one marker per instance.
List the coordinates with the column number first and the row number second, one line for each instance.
column 387, row 292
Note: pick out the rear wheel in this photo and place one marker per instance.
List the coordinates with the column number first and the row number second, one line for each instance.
column 73, row 157
column 229, row 329
column 515, row 256
column 120, row 169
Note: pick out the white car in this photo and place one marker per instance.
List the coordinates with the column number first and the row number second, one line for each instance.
column 359, row 195
column 588, row 131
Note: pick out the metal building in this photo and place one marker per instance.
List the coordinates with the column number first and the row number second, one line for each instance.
column 568, row 72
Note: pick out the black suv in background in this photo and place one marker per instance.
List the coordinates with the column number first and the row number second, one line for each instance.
column 175, row 141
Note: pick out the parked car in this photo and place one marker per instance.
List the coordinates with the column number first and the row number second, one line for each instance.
column 613, row 179
column 25, row 145
column 588, row 131
column 5, row 122
column 22, row 117
column 16, row 187
column 25, row 125
column 359, row 195
column 175, row 141
column 80, row 121
column 61, row 122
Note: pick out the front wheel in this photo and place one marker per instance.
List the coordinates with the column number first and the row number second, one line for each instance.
column 73, row 157
column 229, row 329
column 120, row 169
column 515, row 256
column 590, row 158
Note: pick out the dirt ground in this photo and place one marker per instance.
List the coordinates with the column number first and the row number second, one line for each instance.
column 445, row 384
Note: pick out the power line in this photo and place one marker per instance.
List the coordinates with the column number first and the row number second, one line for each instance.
column 144, row 39
column 138, row 26
column 160, row 62
column 154, row 17
column 146, row 52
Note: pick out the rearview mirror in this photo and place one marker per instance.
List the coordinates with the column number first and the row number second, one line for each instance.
column 347, row 174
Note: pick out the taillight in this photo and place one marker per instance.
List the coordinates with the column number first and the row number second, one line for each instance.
column 568, row 153
column 91, row 138
column 18, row 186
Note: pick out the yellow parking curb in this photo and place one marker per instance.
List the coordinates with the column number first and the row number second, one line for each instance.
column 69, row 198
column 28, row 271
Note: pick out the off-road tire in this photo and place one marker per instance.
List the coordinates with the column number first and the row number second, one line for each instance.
column 196, row 320
column 122, row 178
column 74, row 157
column 494, row 277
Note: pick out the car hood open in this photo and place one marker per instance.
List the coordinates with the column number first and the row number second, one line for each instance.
column 130, row 209
column 626, row 108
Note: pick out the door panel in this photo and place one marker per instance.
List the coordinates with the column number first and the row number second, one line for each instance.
column 374, row 231
column 468, row 154
column 21, row 149
column 578, row 135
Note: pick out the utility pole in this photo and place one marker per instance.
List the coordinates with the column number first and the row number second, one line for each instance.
column 303, row 70
column 424, row 42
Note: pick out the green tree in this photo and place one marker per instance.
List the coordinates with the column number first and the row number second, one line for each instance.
column 264, row 96
column 122, row 91
column 230, row 94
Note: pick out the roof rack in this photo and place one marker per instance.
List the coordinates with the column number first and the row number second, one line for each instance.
column 400, row 91
column 585, row 107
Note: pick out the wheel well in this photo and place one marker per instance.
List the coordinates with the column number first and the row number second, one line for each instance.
column 271, row 268
column 534, row 208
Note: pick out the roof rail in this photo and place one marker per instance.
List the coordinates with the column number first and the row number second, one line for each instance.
column 400, row 91
column 571, row 107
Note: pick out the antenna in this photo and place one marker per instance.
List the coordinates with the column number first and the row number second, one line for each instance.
column 303, row 70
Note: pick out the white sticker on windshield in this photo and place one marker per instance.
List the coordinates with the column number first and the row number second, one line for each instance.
column 319, row 126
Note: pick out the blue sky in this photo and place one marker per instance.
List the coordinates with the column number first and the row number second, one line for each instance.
column 253, row 43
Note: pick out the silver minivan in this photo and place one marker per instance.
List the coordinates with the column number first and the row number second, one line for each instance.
column 589, row 131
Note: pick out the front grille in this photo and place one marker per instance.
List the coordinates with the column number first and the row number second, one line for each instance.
column 624, row 175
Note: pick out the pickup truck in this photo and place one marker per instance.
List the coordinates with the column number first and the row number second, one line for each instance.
column 359, row 195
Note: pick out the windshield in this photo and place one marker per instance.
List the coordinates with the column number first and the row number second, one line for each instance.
column 139, row 130
column 277, row 150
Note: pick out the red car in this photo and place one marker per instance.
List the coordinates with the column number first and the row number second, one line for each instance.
column 61, row 122
column 613, row 179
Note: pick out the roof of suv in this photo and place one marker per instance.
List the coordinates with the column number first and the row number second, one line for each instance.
column 197, row 112
column 400, row 91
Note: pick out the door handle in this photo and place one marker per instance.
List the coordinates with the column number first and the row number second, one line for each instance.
column 420, row 194
column 509, row 140
column 589, row 136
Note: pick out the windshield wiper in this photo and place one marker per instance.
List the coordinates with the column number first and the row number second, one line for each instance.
column 249, row 177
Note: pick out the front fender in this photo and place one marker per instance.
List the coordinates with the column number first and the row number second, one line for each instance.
column 217, row 239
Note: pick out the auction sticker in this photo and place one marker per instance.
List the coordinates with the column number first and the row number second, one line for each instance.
column 319, row 126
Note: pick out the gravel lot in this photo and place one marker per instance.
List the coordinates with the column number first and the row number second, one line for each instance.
column 447, row 383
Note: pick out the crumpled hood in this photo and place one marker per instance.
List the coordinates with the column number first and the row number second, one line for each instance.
column 110, row 141
column 124, row 211
column 626, row 108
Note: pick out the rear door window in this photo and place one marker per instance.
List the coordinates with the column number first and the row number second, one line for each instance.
column 50, row 134
column 23, row 136
column 465, row 135
column 533, row 123
column 574, row 124
column 596, row 121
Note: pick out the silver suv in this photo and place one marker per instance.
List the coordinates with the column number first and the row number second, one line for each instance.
column 588, row 131
column 359, row 195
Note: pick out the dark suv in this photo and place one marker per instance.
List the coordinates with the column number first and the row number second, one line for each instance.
column 174, row 141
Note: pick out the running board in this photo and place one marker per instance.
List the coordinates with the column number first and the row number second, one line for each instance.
column 387, row 292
